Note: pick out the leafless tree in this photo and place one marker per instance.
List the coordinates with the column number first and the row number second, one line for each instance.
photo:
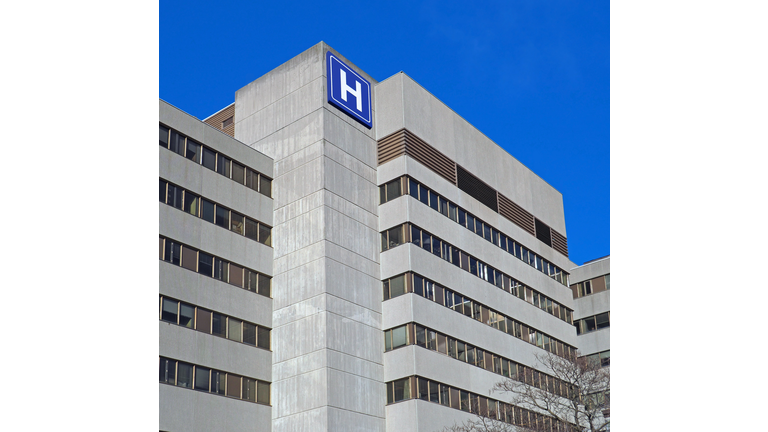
column 573, row 395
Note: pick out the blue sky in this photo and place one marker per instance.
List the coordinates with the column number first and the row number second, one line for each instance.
column 532, row 76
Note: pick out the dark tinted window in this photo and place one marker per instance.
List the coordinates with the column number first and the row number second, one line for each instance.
column 209, row 158
column 163, row 136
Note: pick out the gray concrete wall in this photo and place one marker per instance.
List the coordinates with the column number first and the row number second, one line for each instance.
column 599, row 340
column 185, row 409
column 426, row 116
column 327, row 334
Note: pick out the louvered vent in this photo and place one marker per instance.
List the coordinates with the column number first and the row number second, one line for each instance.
column 559, row 243
column 404, row 142
column 391, row 147
column 516, row 214
column 476, row 188
column 542, row 232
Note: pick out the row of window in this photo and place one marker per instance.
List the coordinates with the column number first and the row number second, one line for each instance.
column 592, row 286
column 415, row 334
column 215, row 161
column 184, row 200
column 214, row 381
column 206, row 321
column 416, row 387
column 603, row 357
column 592, row 323
column 212, row 266
column 395, row 188
column 409, row 233
column 413, row 283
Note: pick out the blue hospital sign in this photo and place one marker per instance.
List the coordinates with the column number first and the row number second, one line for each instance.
column 348, row 91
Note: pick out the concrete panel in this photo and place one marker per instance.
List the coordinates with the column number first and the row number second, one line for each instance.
column 353, row 142
column 358, row 288
column 209, row 293
column 292, row 138
column 213, row 138
column 298, row 284
column 591, row 270
column 340, row 419
column 592, row 305
column 216, row 352
column 213, row 239
column 299, row 393
column 596, row 341
column 299, row 337
column 355, row 393
column 305, row 421
column 188, row 410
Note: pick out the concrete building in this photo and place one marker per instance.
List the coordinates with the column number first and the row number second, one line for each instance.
column 591, row 286
column 414, row 263
column 215, row 308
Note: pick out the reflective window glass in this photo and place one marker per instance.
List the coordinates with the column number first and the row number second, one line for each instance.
column 265, row 234
column 238, row 172
column 234, row 329
column 170, row 311
column 222, row 165
column 163, row 136
column 237, row 223
column 249, row 333
column 208, row 211
column 265, row 186
column 209, row 158
column 191, row 203
column 202, row 376
column 187, row 315
column 219, row 327
column 263, row 338
column 222, row 216
column 205, row 264
column 193, row 151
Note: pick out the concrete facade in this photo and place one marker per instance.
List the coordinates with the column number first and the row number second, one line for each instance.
column 328, row 367
column 184, row 408
column 327, row 289
column 599, row 340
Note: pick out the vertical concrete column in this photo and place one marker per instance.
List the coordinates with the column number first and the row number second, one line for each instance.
column 327, row 340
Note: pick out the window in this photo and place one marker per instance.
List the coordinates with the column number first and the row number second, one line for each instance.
column 237, row 223
column 228, row 121
column 170, row 311
column 238, row 172
column 265, row 186
column 208, row 211
column 205, row 264
column 202, row 378
column 263, row 338
column 191, row 203
column 186, row 315
column 193, row 151
column 163, row 190
column 234, row 329
column 163, row 136
column 222, row 217
column 189, row 258
column 249, row 333
column 174, row 196
column 177, row 142
column 219, row 327
column 222, row 165
column 265, row 234
column 209, row 159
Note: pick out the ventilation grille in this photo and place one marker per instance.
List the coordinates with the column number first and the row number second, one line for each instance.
column 559, row 243
column 391, row 147
column 516, row 214
column 477, row 189
column 404, row 142
column 218, row 119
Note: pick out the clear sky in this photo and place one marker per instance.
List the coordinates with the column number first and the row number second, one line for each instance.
column 533, row 76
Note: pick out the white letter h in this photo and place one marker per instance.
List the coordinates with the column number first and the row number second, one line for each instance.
column 345, row 89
